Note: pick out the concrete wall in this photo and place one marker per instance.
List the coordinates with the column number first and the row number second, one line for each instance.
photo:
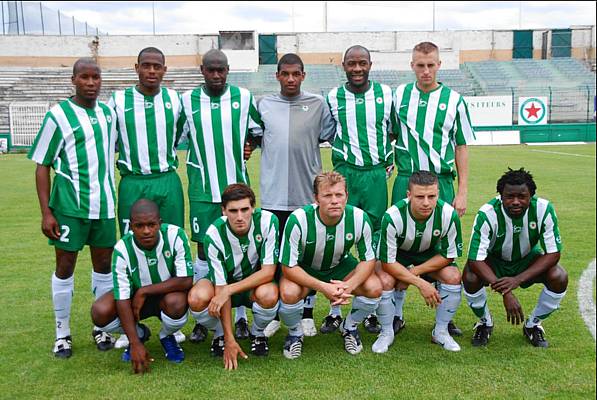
column 389, row 49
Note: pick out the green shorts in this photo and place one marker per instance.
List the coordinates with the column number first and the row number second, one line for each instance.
column 339, row 272
column 75, row 232
column 201, row 216
column 164, row 189
column 446, row 188
column 503, row 268
column 242, row 299
column 367, row 190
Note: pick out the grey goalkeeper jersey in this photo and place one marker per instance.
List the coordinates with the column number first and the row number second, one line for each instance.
column 290, row 156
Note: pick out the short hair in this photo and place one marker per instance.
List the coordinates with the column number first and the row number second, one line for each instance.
column 516, row 177
column 357, row 47
column 422, row 178
column 214, row 55
column 291, row 59
column 153, row 50
column 238, row 191
column 328, row 178
column 144, row 206
column 426, row 48
column 84, row 61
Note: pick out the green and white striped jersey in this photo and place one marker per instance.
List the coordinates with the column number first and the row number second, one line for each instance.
column 308, row 242
column 79, row 144
column 401, row 232
column 498, row 235
column 148, row 130
column 134, row 267
column 218, row 129
column 232, row 258
column 428, row 127
column 362, row 125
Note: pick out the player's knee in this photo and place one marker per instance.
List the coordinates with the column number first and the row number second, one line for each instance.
column 103, row 311
column 290, row 295
column 557, row 279
column 387, row 281
column 470, row 280
column 267, row 295
column 451, row 276
column 199, row 296
column 174, row 304
column 373, row 287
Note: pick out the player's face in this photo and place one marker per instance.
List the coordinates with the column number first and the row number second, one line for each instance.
column 425, row 67
column 516, row 199
column 422, row 200
column 151, row 70
column 215, row 74
column 88, row 82
column 290, row 77
column 146, row 227
column 331, row 200
column 239, row 213
column 357, row 66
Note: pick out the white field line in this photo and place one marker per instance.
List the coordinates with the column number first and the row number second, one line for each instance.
column 585, row 297
column 564, row 154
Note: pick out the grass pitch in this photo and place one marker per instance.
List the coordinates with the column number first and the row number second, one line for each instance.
column 413, row 367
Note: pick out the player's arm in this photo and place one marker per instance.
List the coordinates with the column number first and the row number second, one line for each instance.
column 140, row 357
column 435, row 263
column 49, row 225
column 362, row 271
column 461, row 157
column 402, row 274
column 174, row 284
column 231, row 346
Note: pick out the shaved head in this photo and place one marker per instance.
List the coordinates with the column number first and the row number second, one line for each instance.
column 215, row 56
column 84, row 62
column 359, row 48
column 144, row 206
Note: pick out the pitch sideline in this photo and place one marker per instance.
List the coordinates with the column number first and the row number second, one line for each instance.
column 586, row 304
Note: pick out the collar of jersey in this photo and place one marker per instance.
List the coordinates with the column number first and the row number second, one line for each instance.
column 323, row 223
column 359, row 94
column 440, row 85
column 215, row 97
column 70, row 100
column 144, row 95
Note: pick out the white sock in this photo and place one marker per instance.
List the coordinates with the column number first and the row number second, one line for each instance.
column 113, row 327
column 169, row 325
column 262, row 317
column 361, row 307
column 478, row 303
column 291, row 315
column 62, row 298
column 101, row 283
column 335, row 311
column 200, row 269
column 399, row 296
column 450, row 295
column 548, row 302
column 385, row 311
column 241, row 312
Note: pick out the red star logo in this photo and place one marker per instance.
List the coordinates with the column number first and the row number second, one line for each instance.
column 532, row 111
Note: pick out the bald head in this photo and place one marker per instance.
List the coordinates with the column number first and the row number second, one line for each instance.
column 85, row 62
column 215, row 56
column 146, row 207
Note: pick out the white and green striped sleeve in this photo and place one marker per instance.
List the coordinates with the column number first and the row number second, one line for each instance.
column 464, row 129
column 215, row 259
column 481, row 238
column 48, row 142
column 291, row 242
column 120, row 275
column 183, row 260
column 270, row 248
column 551, row 242
column 451, row 241
column 255, row 122
column 365, row 241
column 387, row 240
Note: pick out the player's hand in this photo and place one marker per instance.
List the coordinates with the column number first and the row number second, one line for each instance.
column 341, row 292
column 247, row 150
column 49, row 226
column 505, row 285
column 514, row 312
column 231, row 352
column 430, row 294
column 217, row 302
column 140, row 358
column 389, row 171
column 459, row 204
column 137, row 303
